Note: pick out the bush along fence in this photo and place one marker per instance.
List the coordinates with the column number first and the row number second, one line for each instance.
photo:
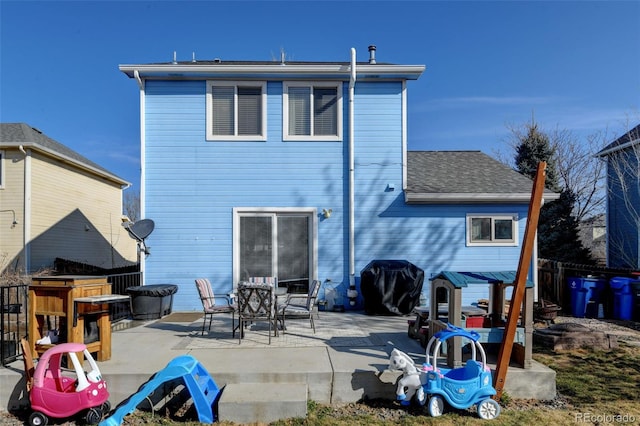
column 554, row 280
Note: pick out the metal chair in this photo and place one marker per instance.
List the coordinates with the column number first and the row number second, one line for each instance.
column 272, row 281
column 209, row 306
column 300, row 306
column 256, row 303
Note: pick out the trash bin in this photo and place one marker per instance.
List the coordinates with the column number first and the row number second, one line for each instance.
column 586, row 291
column 391, row 287
column 151, row 301
column 635, row 294
column 622, row 297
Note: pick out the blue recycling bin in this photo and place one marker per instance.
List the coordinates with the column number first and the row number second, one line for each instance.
column 622, row 297
column 635, row 294
column 585, row 291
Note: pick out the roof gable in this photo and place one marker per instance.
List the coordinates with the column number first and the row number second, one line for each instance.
column 630, row 138
column 21, row 134
column 464, row 177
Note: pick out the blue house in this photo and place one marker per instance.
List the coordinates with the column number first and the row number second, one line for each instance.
column 623, row 200
column 300, row 170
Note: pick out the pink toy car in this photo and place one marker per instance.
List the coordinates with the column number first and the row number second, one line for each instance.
column 57, row 393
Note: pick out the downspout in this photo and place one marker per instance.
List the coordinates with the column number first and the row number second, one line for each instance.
column 26, row 209
column 534, row 262
column 352, row 262
column 136, row 75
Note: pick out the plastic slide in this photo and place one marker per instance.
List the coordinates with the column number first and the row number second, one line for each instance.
column 202, row 388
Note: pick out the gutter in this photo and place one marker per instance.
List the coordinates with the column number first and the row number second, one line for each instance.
column 409, row 72
column 69, row 160
column 352, row 83
column 606, row 152
column 446, row 198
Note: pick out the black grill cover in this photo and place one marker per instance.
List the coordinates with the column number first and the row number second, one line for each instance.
column 391, row 287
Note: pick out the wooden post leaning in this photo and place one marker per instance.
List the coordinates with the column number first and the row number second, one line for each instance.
column 504, row 355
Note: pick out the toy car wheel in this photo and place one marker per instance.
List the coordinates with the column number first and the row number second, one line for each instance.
column 488, row 409
column 93, row 417
column 38, row 419
column 436, row 406
column 105, row 408
column 411, row 332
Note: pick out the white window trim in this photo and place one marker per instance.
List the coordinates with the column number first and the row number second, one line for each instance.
column 2, row 167
column 312, row 212
column 209, row 122
column 513, row 217
column 285, row 111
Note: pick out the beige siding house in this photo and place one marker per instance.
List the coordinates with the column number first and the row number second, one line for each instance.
column 54, row 203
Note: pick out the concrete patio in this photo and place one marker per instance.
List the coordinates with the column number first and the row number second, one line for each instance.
column 345, row 361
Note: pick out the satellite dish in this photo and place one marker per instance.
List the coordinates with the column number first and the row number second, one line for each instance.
column 141, row 229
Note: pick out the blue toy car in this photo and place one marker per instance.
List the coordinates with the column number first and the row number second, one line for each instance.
column 460, row 387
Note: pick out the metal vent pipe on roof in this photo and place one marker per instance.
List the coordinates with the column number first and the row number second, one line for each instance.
column 372, row 54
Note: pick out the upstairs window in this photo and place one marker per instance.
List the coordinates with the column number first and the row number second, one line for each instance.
column 236, row 110
column 312, row 111
column 492, row 230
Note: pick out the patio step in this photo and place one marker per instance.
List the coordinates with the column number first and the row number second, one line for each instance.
column 262, row 402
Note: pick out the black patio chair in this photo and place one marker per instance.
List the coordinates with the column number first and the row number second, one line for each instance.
column 256, row 303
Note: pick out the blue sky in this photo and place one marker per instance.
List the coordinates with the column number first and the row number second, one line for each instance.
column 575, row 65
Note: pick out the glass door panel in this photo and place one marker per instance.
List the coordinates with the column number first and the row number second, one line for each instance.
column 256, row 247
column 293, row 252
column 276, row 244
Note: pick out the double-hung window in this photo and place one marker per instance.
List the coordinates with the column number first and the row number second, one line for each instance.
column 312, row 111
column 236, row 110
column 492, row 229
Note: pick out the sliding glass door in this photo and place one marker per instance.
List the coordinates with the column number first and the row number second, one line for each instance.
column 279, row 244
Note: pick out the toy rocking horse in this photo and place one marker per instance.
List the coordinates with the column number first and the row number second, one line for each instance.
column 411, row 379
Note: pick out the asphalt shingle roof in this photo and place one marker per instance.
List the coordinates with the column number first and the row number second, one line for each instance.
column 21, row 133
column 434, row 173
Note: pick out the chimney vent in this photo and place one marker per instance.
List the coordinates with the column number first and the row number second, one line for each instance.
column 372, row 54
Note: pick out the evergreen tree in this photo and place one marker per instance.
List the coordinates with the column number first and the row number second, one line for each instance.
column 531, row 150
column 558, row 232
column 557, row 227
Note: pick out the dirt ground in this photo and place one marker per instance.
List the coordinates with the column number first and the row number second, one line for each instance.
column 625, row 331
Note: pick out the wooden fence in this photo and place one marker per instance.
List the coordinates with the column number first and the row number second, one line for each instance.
column 553, row 278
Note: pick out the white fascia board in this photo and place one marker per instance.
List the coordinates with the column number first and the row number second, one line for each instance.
column 69, row 160
column 450, row 198
column 409, row 72
column 618, row 148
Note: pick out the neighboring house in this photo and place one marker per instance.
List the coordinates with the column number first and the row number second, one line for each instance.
column 54, row 203
column 300, row 170
column 623, row 200
column 593, row 234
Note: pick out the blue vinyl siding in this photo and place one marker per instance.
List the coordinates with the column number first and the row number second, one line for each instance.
column 623, row 233
column 192, row 186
